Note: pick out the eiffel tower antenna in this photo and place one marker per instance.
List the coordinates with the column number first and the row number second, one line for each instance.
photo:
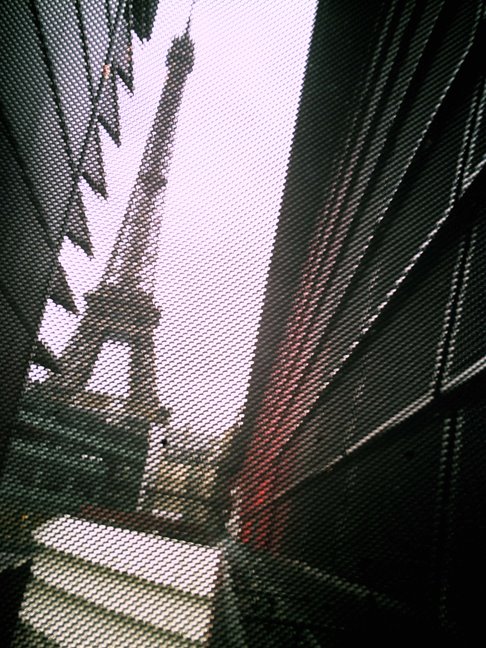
column 188, row 24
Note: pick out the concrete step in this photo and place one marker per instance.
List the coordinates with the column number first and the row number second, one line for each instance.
column 71, row 622
column 131, row 588
column 164, row 608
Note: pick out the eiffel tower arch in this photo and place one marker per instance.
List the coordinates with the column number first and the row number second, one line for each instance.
column 113, row 316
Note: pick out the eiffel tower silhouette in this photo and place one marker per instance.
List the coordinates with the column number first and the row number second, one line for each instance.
column 122, row 309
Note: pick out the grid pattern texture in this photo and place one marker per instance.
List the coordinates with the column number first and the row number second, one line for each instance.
column 346, row 503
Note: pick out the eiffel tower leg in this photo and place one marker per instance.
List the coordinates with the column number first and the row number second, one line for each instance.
column 143, row 397
column 80, row 357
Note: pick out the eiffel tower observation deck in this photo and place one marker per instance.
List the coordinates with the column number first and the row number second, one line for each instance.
column 91, row 448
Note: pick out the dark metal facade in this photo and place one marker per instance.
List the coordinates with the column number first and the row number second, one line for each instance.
column 365, row 430
column 59, row 66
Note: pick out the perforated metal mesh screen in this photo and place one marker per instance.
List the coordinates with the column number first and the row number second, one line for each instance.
column 242, row 323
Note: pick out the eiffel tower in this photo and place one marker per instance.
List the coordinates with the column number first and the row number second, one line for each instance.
column 122, row 308
column 115, row 431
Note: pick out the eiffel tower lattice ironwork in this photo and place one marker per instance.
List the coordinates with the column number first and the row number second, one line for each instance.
column 122, row 308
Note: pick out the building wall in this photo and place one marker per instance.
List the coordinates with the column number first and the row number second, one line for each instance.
column 364, row 425
column 59, row 61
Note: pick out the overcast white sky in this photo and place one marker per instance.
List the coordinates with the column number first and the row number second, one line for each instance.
column 222, row 201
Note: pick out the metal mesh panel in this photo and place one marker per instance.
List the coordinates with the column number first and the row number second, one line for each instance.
column 378, row 524
column 464, row 521
column 468, row 340
column 242, row 356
